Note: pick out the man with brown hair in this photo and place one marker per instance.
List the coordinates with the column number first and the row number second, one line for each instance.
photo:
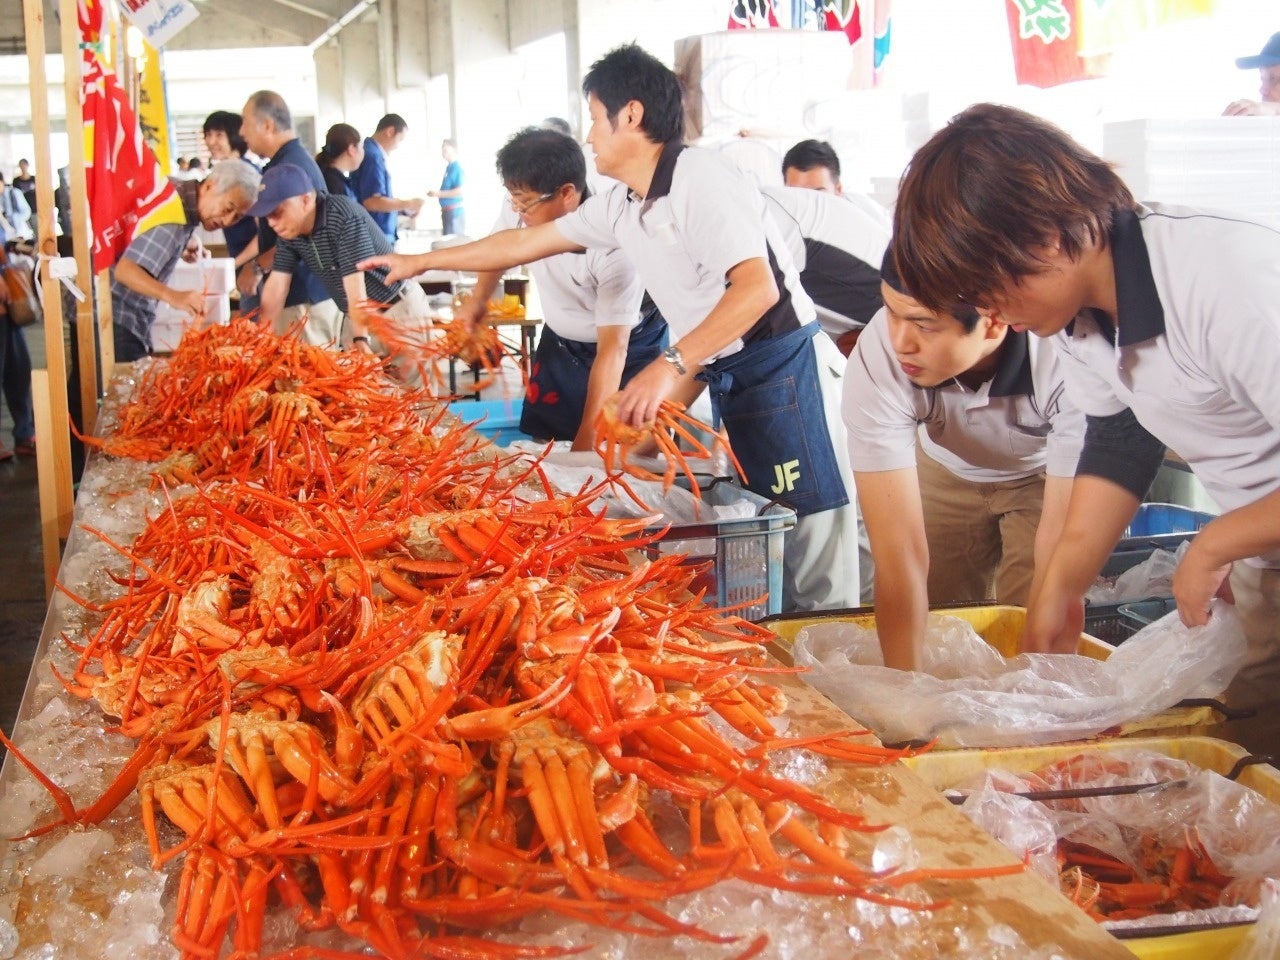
column 1167, row 322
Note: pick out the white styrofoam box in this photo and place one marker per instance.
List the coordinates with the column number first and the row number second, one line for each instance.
column 1223, row 163
column 216, row 277
column 759, row 79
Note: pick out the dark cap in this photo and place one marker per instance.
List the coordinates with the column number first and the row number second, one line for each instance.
column 278, row 184
column 1269, row 57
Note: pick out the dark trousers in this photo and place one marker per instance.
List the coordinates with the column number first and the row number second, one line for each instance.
column 15, row 366
column 453, row 220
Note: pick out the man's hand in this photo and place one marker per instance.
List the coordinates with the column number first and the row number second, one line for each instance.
column 193, row 251
column 399, row 266
column 638, row 401
column 247, row 279
column 1251, row 108
column 189, row 301
column 1055, row 621
column 1199, row 578
column 412, row 207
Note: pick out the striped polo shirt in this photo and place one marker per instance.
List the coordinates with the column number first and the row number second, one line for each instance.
column 343, row 235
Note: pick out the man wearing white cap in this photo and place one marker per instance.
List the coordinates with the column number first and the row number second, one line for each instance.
column 330, row 234
column 1268, row 65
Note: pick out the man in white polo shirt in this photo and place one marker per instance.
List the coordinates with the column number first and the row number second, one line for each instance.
column 954, row 421
column 696, row 230
column 1168, row 320
column 837, row 249
column 594, row 337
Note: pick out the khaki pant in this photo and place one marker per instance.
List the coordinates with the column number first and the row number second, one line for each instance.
column 411, row 312
column 1257, row 593
column 323, row 325
column 981, row 535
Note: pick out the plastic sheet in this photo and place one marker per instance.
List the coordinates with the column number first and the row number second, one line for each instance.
column 1153, row 577
column 1263, row 941
column 968, row 695
column 1239, row 828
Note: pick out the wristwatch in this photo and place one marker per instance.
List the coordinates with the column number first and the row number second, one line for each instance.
column 673, row 356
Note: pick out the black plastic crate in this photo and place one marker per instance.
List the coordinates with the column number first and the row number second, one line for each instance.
column 1103, row 621
column 1140, row 613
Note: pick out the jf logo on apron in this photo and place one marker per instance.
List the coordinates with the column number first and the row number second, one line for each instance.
column 769, row 398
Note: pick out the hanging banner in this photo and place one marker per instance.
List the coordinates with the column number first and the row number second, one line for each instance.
column 153, row 108
column 1057, row 41
column 1046, row 40
column 159, row 20
column 127, row 192
column 843, row 15
column 748, row 14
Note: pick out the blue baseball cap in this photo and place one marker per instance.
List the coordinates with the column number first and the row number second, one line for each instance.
column 278, row 185
column 1269, row 57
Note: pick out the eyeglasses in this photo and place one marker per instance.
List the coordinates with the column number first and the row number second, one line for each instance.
column 530, row 205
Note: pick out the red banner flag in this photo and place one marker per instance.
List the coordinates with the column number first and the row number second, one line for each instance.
column 127, row 192
column 1046, row 41
column 745, row 14
column 843, row 15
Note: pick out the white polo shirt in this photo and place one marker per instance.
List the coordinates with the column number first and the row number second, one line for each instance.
column 838, row 248
column 1197, row 355
column 1017, row 424
column 583, row 291
column 701, row 218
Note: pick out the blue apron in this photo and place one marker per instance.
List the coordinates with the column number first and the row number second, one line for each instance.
column 769, row 398
column 557, row 390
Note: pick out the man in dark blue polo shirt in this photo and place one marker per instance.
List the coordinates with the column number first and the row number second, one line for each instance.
column 268, row 129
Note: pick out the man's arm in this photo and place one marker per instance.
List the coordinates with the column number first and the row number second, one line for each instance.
column 1244, row 532
column 1053, row 515
column 274, row 292
column 751, row 291
column 445, row 194
column 602, row 381
column 894, row 518
column 380, row 204
column 473, row 309
column 1251, row 108
column 353, row 286
column 498, row 251
column 138, row 280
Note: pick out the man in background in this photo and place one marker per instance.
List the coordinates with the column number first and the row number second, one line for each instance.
column 1267, row 64
column 139, row 279
column 453, row 218
column 372, row 184
column 814, row 165
column 223, row 141
column 268, row 130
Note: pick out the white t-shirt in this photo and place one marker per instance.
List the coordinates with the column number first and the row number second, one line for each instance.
column 837, row 247
column 701, row 218
column 1018, row 423
column 583, row 291
column 1197, row 355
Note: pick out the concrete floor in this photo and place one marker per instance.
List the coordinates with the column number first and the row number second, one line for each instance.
column 22, row 599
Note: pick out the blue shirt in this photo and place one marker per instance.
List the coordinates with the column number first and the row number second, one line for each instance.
column 372, row 180
column 452, row 180
column 305, row 288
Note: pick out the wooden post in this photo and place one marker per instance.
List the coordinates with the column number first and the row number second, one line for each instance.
column 50, row 538
column 57, row 461
column 81, row 229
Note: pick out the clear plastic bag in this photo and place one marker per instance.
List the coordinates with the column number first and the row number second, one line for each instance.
column 968, row 695
column 1263, row 941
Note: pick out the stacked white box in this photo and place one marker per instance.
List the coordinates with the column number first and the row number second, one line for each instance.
column 216, row 277
column 759, row 79
column 1222, row 163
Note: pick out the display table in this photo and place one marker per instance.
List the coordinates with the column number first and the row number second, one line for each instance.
column 90, row 892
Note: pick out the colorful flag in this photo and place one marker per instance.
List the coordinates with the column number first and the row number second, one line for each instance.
column 843, row 15
column 153, row 106
column 747, row 14
column 127, row 192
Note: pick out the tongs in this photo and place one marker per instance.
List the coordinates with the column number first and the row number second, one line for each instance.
column 1116, row 790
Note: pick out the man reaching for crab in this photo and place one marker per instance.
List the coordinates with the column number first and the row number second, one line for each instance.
column 329, row 234
column 696, row 231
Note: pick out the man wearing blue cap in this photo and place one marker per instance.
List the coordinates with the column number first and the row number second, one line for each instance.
column 1268, row 65
column 330, row 234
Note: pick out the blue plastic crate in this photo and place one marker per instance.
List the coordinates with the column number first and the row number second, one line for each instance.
column 498, row 420
column 1163, row 525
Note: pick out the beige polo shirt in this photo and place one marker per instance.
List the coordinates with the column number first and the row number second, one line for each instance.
column 1018, row 423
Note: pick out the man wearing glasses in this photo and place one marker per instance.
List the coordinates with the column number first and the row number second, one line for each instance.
column 596, row 336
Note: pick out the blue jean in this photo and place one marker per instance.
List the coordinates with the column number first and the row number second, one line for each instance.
column 15, row 364
column 453, row 220
column 770, row 399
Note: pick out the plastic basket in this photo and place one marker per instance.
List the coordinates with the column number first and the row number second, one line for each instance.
column 498, row 420
column 1107, row 623
column 943, row 770
column 1163, row 525
column 743, row 556
column 1140, row 613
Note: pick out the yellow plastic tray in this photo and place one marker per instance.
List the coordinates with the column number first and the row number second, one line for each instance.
column 944, row 769
column 1001, row 626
